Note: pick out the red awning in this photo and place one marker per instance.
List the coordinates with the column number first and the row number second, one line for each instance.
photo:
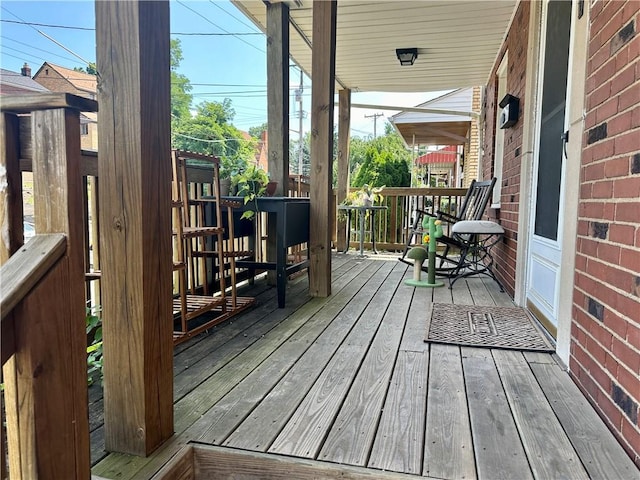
column 444, row 155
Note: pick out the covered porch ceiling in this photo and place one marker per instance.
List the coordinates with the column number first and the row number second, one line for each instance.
column 457, row 41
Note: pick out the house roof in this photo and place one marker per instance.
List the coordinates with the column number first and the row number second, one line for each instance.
column 457, row 41
column 80, row 80
column 430, row 128
column 20, row 82
column 444, row 155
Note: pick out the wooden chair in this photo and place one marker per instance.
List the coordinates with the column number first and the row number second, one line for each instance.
column 473, row 207
column 194, row 240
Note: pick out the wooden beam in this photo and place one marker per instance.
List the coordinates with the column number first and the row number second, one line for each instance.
column 46, row 379
column 27, row 266
column 10, row 233
column 322, row 90
column 46, row 101
column 344, row 138
column 278, row 94
column 135, row 223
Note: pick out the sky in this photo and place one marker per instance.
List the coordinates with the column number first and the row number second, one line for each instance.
column 218, row 65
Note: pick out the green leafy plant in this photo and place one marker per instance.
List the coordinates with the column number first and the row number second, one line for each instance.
column 93, row 323
column 251, row 183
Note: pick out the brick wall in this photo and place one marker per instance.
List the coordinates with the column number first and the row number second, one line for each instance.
column 471, row 153
column 507, row 215
column 605, row 344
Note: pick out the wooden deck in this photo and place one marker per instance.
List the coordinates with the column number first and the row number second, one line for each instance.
column 349, row 380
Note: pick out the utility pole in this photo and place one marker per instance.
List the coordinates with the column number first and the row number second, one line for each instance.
column 300, row 116
column 375, row 121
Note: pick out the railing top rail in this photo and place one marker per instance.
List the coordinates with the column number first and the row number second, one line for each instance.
column 27, row 266
column 426, row 191
column 46, row 101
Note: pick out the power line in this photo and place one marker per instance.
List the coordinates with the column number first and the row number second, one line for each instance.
column 234, row 17
column 89, row 29
column 217, row 26
column 35, row 48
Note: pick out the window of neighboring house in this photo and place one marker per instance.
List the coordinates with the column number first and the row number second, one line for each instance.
column 498, row 151
column 84, row 129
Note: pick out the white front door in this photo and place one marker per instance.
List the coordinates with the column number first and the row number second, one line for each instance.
column 545, row 238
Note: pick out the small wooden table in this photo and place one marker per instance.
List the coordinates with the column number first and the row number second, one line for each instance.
column 362, row 210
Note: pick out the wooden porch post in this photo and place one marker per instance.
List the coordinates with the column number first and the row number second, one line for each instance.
column 135, row 219
column 344, row 138
column 278, row 94
column 322, row 90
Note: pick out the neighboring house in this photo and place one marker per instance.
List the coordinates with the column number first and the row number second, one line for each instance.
column 261, row 152
column 568, row 190
column 438, row 168
column 420, row 129
column 14, row 83
column 61, row 79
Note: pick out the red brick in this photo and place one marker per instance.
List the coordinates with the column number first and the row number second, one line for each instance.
column 602, row 189
column 635, row 117
column 629, row 97
column 601, row 334
column 622, row 58
column 628, row 212
column 630, row 259
column 610, row 410
column 626, row 305
column 616, row 324
column 626, row 143
column 599, row 95
column 596, row 171
column 603, row 74
column 627, row 187
column 609, row 211
column 603, row 149
column 633, row 335
column 629, row 381
column 593, row 210
column 626, row 355
column 621, row 233
column 596, row 351
column 588, row 247
column 586, row 191
column 619, row 124
column 616, row 167
column 608, row 252
column 637, row 240
column 631, row 434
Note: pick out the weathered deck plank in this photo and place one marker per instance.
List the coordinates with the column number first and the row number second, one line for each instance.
column 352, row 434
column 399, row 441
column 601, row 455
column 197, row 402
column 345, row 377
column 267, row 419
column 448, row 445
column 305, row 432
column 542, row 436
column 498, row 450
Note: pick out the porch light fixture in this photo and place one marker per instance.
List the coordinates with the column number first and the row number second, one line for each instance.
column 407, row 55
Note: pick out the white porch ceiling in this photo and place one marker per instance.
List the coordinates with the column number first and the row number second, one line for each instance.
column 457, row 41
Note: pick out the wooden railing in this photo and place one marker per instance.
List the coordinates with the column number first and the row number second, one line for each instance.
column 43, row 327
column 392, row 227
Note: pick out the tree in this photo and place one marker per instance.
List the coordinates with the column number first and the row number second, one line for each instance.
column 90, row 69
column 256, row 132
column 380, row 161
column 210, row 131
column 180, row 87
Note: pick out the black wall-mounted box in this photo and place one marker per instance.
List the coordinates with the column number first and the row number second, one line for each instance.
column 510, row 110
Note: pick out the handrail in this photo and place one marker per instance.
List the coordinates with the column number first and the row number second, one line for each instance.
column 27, row 266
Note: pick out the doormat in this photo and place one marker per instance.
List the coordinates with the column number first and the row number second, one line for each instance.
column 489, row 327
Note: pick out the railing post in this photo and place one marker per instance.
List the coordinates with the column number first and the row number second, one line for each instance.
column 46, row 378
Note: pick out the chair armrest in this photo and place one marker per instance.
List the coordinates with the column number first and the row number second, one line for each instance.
column 447, row 217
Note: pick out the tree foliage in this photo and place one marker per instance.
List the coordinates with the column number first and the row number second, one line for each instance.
column 380, row 161
column 180, row 87
column 256, row 132
column 210, row 131
column 91, row 69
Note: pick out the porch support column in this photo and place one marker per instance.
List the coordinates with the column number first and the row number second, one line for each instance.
column 344, row 138
column 135, row 219
column 278, row 94
column 322, row 90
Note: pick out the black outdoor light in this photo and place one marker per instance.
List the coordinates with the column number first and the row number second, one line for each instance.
column 407, row 55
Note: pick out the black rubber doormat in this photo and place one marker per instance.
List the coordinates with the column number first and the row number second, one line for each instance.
column 490, row 327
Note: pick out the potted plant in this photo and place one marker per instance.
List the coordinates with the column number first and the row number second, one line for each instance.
column 250, row 184
column 230, row 167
